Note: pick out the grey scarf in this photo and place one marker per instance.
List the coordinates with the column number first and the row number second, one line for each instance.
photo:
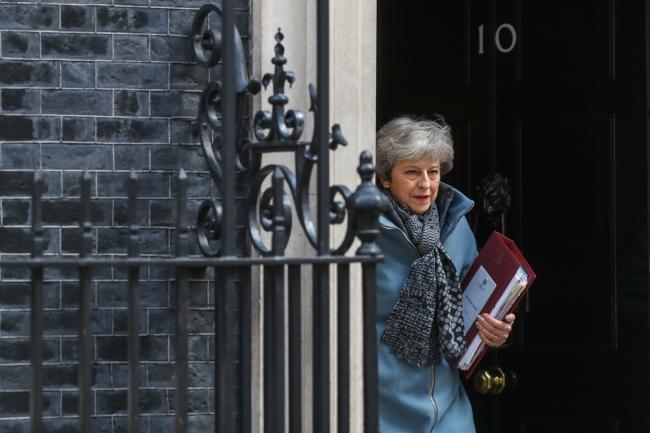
column 427, row 320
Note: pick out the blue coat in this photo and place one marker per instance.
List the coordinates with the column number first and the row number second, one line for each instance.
column 429, row 399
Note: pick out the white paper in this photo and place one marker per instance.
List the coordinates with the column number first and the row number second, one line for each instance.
column 512, row 292
column 475, row 296
column 472, row 348
column 482, row 288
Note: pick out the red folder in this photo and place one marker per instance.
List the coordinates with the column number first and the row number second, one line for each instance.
column 501, row 258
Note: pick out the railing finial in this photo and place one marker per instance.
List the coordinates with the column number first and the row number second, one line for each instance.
column 368, row 202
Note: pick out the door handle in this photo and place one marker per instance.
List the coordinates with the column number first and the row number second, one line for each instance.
column 490, row 381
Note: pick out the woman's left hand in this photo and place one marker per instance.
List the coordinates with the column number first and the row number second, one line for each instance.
column 494, row 332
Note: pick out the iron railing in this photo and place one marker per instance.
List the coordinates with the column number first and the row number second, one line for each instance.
column 233, row 148
column 226, row 135
column 364, row 205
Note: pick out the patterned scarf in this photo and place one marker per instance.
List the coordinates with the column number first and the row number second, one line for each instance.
column 427, row 320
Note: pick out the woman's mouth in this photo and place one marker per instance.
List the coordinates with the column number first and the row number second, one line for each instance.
column 421, row 197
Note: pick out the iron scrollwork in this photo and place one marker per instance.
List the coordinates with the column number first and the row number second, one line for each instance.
column 269, row 208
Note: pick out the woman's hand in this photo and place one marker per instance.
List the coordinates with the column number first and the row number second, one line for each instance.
column 494, row 332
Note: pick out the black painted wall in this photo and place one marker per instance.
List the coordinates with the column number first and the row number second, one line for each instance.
column 105, row 86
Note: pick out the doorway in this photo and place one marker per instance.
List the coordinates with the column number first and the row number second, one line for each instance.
column 553, row 96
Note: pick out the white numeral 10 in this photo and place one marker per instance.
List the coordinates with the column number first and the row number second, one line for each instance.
column 497, row 38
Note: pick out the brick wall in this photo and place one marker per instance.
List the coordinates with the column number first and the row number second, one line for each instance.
column 105, row 86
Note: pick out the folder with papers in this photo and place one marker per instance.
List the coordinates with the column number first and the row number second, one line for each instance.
column 496, row 282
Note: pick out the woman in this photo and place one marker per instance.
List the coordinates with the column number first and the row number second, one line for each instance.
column 428, row 248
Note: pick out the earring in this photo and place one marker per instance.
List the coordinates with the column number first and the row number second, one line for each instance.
column 387, row 186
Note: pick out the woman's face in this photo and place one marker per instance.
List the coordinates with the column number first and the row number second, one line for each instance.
column 415, row 183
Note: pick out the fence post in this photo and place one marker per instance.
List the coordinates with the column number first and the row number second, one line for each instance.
column 343, row 361
column 36, row 333
column 182, row 250
column 85, row 308
column 295, row 350
column 133, row 322
column 368, row 202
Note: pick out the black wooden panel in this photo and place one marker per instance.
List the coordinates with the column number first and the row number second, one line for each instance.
column 566, row 41
column 569, row 384
column 550, row 425
column 567, row 205
column 424, row 38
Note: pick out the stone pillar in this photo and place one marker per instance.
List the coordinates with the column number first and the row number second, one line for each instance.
column 353, row 102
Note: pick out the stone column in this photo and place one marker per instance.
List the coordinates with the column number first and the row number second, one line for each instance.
column 353, row 102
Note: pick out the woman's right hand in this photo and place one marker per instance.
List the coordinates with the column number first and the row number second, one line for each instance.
column 493, row 332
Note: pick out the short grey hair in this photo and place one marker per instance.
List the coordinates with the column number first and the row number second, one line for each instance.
column 411, row 138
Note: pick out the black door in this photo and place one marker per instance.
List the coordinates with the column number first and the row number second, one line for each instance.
column 551, row 95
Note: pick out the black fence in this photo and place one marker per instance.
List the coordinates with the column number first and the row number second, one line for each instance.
column 234, row 145
column 230, row 349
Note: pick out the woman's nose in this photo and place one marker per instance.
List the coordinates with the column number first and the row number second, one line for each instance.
column 423, row 181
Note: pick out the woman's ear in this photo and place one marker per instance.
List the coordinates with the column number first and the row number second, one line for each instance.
column 383, row 183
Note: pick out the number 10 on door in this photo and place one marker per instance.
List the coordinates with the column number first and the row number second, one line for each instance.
column 505, row 27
